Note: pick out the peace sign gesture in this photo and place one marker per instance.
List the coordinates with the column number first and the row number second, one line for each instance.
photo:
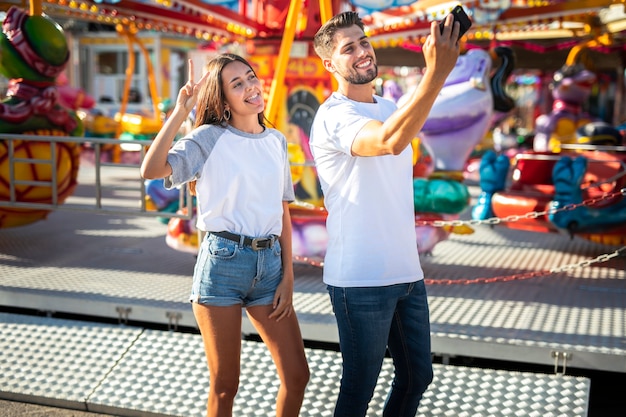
column 188, row 94
column 155, row 163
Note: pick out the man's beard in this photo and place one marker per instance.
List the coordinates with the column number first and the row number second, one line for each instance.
column 354, row 77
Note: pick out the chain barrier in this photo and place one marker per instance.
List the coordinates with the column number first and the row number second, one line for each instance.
column 494, row 220
column 531, row 215
column 514, row 218
column 609, row 180
column 518, row 277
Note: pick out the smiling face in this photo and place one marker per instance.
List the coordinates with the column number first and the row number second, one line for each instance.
column 231, row 89
column 242, row 90
column 352, row 58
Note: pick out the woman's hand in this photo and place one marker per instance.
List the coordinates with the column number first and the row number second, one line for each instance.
column 155, row 163
column 283, row 299
column 188, row 94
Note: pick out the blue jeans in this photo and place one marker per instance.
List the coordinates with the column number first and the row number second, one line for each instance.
column 370, row 320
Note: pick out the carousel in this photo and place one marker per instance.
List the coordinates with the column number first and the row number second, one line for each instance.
column 576, row 40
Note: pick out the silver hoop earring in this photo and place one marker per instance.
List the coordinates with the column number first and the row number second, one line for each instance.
column 227, row 115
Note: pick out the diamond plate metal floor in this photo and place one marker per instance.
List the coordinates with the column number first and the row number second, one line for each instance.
column 131, row 371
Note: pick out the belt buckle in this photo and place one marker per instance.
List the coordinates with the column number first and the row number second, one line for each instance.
column 259, row 243
column 256, row 242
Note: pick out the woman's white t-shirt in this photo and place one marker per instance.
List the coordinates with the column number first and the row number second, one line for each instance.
column 242, row 178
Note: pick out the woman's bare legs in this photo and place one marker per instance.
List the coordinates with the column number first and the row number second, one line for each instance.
column 221, row 333
column 285, row 344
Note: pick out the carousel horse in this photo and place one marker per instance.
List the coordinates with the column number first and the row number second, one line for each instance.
column 571, row 87
column 33, row 53
column 463, row 111
column 459, row 120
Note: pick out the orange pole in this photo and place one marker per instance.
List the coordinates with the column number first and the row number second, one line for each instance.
column 35, row 8
column 151, row 79
column 130, row 70
column 277, row 89
column 326, row 11
column 572, row 57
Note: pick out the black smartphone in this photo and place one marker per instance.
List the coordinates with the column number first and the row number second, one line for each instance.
column 459, row 16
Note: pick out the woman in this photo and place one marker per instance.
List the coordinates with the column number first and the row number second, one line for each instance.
column 240, row 171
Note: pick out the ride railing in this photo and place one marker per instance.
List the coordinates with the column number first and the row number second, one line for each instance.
column 590, row 147
column 97, row 194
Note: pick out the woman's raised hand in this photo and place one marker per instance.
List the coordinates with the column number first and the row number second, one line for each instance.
column 188, row 94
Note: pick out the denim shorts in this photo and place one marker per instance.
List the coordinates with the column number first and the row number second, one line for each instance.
column 227, row 273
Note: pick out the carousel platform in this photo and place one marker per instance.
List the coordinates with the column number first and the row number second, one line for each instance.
column 129, row 348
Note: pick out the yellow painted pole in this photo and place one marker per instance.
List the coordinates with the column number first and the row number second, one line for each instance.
column 572, row 57
column 151, row 78
column 165, row 79
column 277, row 89
column 35, row 8
column 130, row 70
column 326, row 11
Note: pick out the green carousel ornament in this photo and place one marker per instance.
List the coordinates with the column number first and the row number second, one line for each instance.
column 33, row 53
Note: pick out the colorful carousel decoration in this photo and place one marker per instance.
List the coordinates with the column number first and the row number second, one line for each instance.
column 33, row 54
column 574, row 180
column 274, row 34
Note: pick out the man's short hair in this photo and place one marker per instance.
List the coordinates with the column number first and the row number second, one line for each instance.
column 324, row 40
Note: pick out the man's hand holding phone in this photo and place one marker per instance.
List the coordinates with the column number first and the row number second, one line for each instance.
column 459, row 16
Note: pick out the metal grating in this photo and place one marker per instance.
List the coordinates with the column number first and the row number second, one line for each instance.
column 131, row 371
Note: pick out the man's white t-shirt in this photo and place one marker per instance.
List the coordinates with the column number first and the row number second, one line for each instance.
column 243, row 178
column 371, row 217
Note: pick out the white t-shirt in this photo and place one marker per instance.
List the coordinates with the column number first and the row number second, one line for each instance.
column 371, row 217
column 242, row 178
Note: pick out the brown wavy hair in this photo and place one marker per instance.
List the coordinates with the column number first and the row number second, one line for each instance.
column 210, row 107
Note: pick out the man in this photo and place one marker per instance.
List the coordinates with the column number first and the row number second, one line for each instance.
column 360, row 143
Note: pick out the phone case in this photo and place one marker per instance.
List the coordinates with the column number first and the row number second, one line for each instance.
column 459, row 16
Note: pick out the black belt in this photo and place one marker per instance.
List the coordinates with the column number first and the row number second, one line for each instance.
column 257, row 243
